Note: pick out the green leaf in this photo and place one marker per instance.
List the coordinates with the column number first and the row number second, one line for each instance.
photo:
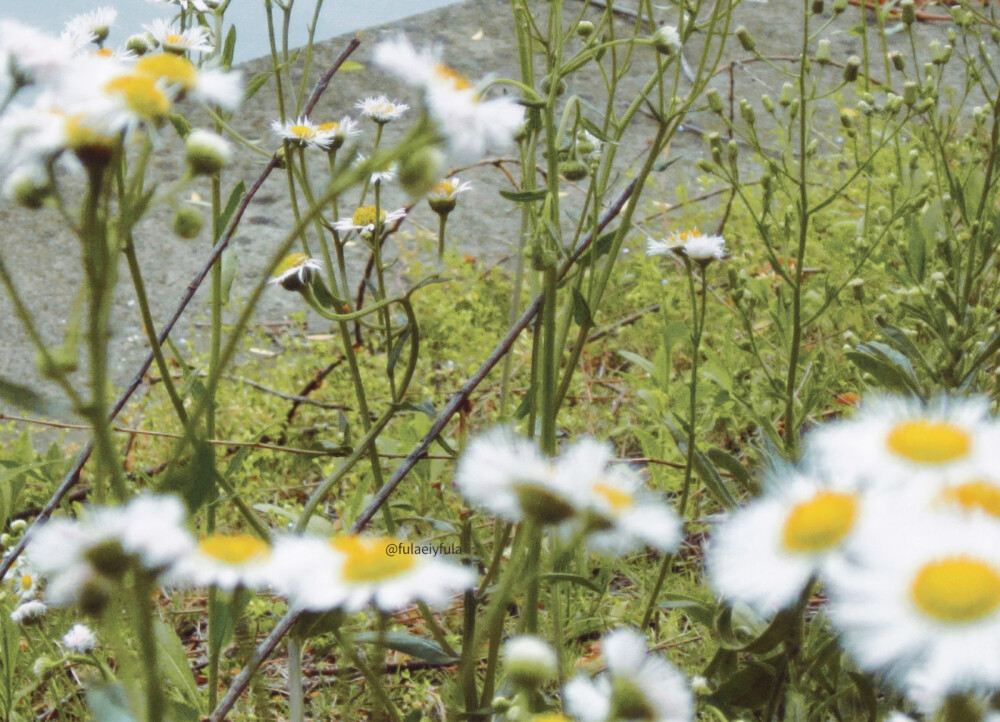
column 982, row 356
column 314, row 624
column 723, row 459
column 26, row 398
column 229, row 48
column 418, row 647
column 194, row 481
column 525, row 196
column 889, row 367
column 223, row 616
column 695, row 609
column 350, row 66
column 601, row 247
column 257, row 82
column 916, row 247
column 581, row 311
column 174, row 664
column 228, row 261
column 397, row 349
column 704, row 468
column 749, row 687
column 181, row 125
column 637, row 360
column 570, row 579
column 234, row 201
column 527, row 402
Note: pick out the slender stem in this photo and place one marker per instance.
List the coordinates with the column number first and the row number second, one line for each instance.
column 296, row 706
column 146, row 612
column 699, row 325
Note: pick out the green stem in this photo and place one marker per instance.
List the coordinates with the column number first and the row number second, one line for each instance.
column 146, row 612
column 296, row 706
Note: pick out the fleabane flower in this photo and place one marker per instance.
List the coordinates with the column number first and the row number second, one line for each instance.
column 27, row 582
column 196, row 39
column 28, row 611
column 95, row 25
column 363, row 219
column 205, row 85
column 352, row 572
column 380, row 109
column 529, row 661
column 898, row 441
column 619, row 515
column 339, row 131
column 79, row 558
column 303, row 133
column 199, row 5
column 766, row 553
column 698, row 247
column 295, row 271
column 667, row 40
column 444, row 196
column 383, row 175
column 80, row 639
column 920, row 601
column 226, row 561
column 470, row 125
column 637, row 686
column 29, row 56
column 509, row 477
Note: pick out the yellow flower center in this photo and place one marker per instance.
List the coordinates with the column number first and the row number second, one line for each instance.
column 444, row 188
column 104, row 53
column 141, row 95
column 290, row 262
column 929, row 442
column 174, row 69
column 26, row 582
column 233, row 548
column 331, row 127
column 451, row 76
column 174, row 39
column 365, row 216
column 956, row 589
column 617, row 498
column 820, row 522
column 79, row 136
column 974, row 495
column 370, row 559
column 304, row 132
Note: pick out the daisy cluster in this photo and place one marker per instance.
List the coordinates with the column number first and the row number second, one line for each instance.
column 581, row 494
column 72, row 99
column 82, row 560
column 896, row 511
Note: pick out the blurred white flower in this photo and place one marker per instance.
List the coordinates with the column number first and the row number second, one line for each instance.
column 766, row 553
column 352, row 572
column 206, row 85
column 79, row 639
column 197, row 39
column 920, row 601
column 637, row 685
column 225, row 561
column 28, row 611
column 529, row 661
column 95, row 25
column 471, row 126
column 697, row 246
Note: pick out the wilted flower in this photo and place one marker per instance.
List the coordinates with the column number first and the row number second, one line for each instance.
column 295, row 271
column 28, row 611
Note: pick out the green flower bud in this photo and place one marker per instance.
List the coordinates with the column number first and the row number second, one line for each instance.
column 817, row 7
column 667, row 40
column 732, row 150
column 908, row 11
column 768, row 104
column 18, row 526
column 138, row 44
column 793, row 109
column 546, row 86
column 924, row 105
column 893, row 103
column 530, row 662
column 787, row 95
column 943, row 55
column 823, row 52
column 839, row 6
column 746, row 39
column 188, row 222
column 914, row 159
column 573, row 170
column 705, row 166
column 28, row 186
column 421, row 170
column 714, row 101
column 747, row 112
column 897, row 60
column 207, row 153
column 852, row 68
column 910, row 93
column 584, row 28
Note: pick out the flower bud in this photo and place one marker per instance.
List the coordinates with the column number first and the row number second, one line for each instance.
column 787, row 95
column 852, row 68
column 839, row 6
column 207, row 152
column 768, row 104
column 732, row 150
column 857, row 286
column 188, row 222
column 823, row 52
column 910, row 93
column 546, row 86
column 908, row 12
column 942, row 56
column 573, row 170
column 747, row 112
column 914, row 159
column 746, row 39
column 714, row 101
column 530, row 662
column 817, row 7
column 421, row 170
column 584, row 28
column 28, row 186
column 897, row 60
column 667, row 40
column 705, row 166
column 18, row 526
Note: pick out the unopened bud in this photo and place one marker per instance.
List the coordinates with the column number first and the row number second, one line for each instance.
column 817, row 7
column 787, row 95
column 897, row 60
column 584, row 28
column 823, row 52
column 746, row 39
column 28, row 186
column 908, row 11
column 546, row 86
column 421, row 170
column 943, row 55
column 910, row 93
column 530, row 662
column 188, row 222
column 747, row 112
column 573, row 170
column 667, row 40
column 852, row 68
column 839, row 6
column 207, row 153
column 138, row 44
column 766, row 101
column 714, row 101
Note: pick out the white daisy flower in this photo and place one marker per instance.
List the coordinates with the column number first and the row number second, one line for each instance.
column 28, row 611
column 637, row 685
column 205, row 85
column 471, row 126
column 95, row 25
column 120, row 54
column 149, row 530
column 351, row 572
column 444, row 196
column 199, row 5
column 699, row 247
column 766, row 553
column 381, row 109
column 619, row 515
column 27, row 582
column 226, row 561
column 363, row 219
column 80, row 639
column 339, row 130
column 900, row 441
column 303, row 133
column 295, row 271
column 509, row 477
column 920, row 601
column 195, row 39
